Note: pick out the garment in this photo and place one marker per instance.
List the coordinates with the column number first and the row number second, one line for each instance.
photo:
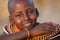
column 9, row 29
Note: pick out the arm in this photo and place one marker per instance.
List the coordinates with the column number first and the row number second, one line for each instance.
column 15, row 36
column 42, row 29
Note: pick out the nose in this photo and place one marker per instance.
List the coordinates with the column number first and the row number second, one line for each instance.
column 26, row 17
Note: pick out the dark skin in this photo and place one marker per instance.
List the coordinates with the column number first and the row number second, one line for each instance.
column 24, row 16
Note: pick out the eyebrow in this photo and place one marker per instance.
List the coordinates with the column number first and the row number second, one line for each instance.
column 18, row 12
column 29, row 9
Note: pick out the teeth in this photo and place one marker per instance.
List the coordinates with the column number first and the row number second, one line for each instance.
column 28, row 24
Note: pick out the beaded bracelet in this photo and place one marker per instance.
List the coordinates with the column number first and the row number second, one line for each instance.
column 51, row 36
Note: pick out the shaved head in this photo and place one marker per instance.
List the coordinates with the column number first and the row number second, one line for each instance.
column 12, row 3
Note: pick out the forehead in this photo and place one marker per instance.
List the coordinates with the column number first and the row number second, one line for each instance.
column 22, row 6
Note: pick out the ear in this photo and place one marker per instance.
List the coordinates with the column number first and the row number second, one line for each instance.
column 11, row 20
column 37, row 13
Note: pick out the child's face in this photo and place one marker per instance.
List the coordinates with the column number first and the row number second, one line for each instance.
column 24, row 15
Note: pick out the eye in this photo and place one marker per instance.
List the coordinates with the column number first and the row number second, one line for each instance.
column 30, row 11
column 19, row 14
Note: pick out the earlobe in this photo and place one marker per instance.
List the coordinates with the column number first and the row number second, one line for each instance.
column 37, row 13
column 10, row 19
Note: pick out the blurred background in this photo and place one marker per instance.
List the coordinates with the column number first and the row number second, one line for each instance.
column 49, row 10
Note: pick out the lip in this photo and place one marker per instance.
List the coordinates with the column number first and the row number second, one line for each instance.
column 27, row 24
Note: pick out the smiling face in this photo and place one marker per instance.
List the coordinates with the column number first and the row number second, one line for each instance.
column 23, row 15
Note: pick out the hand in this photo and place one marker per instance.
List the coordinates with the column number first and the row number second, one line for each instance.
column 41, row 29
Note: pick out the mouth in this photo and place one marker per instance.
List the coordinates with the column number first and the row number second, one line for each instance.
column 27, row 25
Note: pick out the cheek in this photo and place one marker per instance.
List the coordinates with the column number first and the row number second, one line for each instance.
column 18, row 21
column 33, row 17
